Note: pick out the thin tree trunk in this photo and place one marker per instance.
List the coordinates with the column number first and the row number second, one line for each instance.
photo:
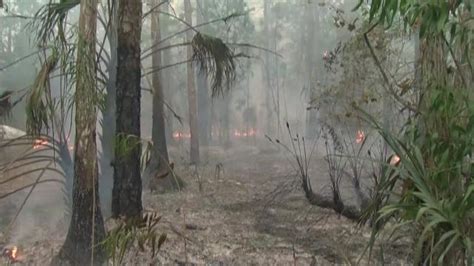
column 108, row 120
column 226, row 120
column 192, row 101
column 127, row 190
column 313, row 68
column 267, row 72
column 167, row 83
column 86, row 230
column 203, row 108
column 159, row 169
column 203, row 94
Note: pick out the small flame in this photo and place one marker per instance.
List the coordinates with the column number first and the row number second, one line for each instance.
column 39, row 143
column 14, row 252
column 180, row 135
column 360, row 137
column 394, row 160
column 245, row 133
column 326, row 55
column 237, row 133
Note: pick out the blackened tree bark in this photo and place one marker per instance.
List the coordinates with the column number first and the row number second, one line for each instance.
column 127, row 189
column 192, row 101
column 86, row 230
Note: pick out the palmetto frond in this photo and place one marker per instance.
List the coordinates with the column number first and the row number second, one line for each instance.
column 39, row 104
column 52, row 17
column 216, row 59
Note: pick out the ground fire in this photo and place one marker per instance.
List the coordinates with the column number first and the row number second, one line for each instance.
column 178, row 135
column 245, row 133
column 40, row 143
column 11, row 254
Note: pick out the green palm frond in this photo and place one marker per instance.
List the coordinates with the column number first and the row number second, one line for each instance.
column 216, row 59
column 50, row 19
column 39, row 106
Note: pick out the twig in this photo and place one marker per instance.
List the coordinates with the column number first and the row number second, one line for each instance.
column 382, row 71
column 461, row 74
column 154, row 8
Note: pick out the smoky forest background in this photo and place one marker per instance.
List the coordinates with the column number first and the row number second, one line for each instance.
column 236, row 132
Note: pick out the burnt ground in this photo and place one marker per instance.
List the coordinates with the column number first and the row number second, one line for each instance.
column 252, row 213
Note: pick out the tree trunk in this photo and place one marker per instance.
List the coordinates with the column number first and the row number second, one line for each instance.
column 226, row 120
column 167, row 83
column 86, row 230
column 108, row 120
column 313, row 47
column 203, row 108
column 267, row 72
column 192, row 101
column 203, row 96
column 127, row 190
column 159, row 170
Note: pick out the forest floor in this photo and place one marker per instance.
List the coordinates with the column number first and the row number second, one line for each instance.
column 252, row 213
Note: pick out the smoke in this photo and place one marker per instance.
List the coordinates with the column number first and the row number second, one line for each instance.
column 44, row 210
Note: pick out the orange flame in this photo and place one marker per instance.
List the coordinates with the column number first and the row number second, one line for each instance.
column 360, row 136
column 39, row 143
column 245, row 133
column 394, row 160
column 11, row 254
column 14, row 252
column 180, row 135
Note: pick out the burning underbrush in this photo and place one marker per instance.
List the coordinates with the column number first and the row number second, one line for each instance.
column 218, row 133
column 246, row 208
column 11, row 255
column 32, row 195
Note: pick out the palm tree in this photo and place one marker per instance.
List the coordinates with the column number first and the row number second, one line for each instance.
column 127, row 189
column 86, row 229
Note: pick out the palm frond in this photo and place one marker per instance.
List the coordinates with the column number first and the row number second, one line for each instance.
column 5, row 104
column 215, row 59
column 50, row 16
column 38, row 108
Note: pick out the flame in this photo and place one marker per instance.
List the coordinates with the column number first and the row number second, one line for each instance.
column 11, row 254
column 39, row 143
column 394, row 160
column 325, row 55
column 245, row 133
column 181, row 135
column 252, row 132
column 360, row 136
column 14, row 253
